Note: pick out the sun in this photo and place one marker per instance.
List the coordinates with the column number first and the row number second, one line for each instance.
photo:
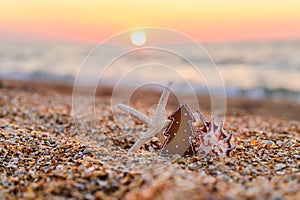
column 138, row 38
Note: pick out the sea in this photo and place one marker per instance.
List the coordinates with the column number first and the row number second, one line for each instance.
column 256, row 70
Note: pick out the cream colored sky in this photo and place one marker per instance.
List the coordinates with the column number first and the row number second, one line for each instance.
column 208, row 20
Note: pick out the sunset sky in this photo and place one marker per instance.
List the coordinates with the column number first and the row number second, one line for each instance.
column 204, row 20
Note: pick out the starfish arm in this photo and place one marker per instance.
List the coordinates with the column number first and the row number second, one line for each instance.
column 135, row 113
column 160, row 133
column 161, row 138
column 163, row 101
column 166, row 124
column 141, row 141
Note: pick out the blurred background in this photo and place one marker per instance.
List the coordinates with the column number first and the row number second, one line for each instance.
column 255, row 44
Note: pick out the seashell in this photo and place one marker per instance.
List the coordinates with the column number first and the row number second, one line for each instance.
column 212, row 139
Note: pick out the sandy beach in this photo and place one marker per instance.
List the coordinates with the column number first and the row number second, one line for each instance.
column 43, row 156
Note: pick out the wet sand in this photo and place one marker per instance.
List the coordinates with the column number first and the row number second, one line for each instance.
column 44, row 154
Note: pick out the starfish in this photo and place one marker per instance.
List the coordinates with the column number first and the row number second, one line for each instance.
column 156, row 125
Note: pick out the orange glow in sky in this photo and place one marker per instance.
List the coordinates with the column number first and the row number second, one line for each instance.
column 203, row 20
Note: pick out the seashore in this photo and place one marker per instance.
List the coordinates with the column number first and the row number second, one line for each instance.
column 43, row 156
